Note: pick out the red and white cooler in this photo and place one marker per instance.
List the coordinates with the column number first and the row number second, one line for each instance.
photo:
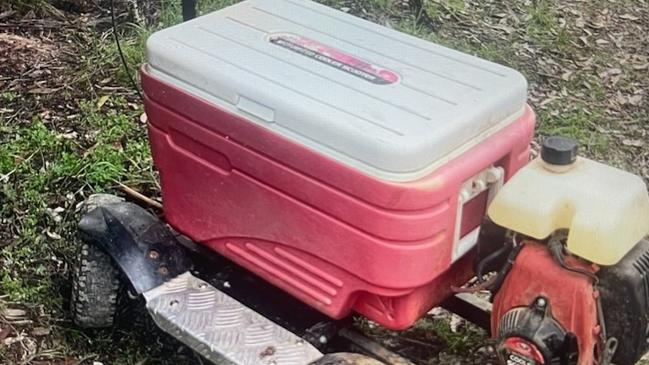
column 344, row 162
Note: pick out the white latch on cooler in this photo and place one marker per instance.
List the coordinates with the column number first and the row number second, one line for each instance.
column 490, row 179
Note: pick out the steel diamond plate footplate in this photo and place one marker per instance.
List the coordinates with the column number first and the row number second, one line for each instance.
column 222, row 329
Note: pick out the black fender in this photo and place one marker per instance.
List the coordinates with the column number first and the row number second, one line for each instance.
column 144, row 248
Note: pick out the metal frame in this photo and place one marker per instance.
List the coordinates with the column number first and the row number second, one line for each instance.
column 189, row 9
column 143, row 247
column 166, row 268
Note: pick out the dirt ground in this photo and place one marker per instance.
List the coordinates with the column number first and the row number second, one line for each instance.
column 69, row 127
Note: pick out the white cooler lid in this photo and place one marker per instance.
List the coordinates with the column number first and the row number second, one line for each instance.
column 386, row 103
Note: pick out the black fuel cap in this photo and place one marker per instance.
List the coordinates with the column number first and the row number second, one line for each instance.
column 559, row 150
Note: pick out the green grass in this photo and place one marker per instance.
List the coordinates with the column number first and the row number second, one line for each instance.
column 576, row 122
column 8, row 96
column 463, row 340
column 41, row 164
column 437, row 9
column 435, row 331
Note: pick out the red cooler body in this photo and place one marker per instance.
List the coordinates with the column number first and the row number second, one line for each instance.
column 348, row 164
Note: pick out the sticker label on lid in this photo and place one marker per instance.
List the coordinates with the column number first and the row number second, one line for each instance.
column 334, row 58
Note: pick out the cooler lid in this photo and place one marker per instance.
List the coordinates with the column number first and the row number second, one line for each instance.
column 386, row 103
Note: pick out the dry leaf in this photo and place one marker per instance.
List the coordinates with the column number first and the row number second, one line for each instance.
column 628, row 17
column 13, row 313
column 635, row 100
column 633, row 142
column 610, row 72
column 52, row 235
column 40, row 331
column 566, row 75
column 102, row 100
column 69, row 135
column 42, row 90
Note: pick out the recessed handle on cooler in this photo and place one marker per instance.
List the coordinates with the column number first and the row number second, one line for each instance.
column 491, row 180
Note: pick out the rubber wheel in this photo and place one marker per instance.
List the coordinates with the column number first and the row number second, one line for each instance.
column 346, row 358
column 96, row 281
column 94, row 288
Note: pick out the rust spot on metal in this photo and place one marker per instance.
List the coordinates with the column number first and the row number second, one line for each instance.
column 268, row 351
column 154, row 255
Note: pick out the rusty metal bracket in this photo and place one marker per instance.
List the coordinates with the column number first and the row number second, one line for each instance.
column 142, row 246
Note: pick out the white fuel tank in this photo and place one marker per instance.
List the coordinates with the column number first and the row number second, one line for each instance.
column 606, row 210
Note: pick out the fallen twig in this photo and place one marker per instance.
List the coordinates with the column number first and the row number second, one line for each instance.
column 139, row 196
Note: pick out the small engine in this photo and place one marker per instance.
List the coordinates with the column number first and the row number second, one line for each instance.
column 551, row 307
column 579, row 292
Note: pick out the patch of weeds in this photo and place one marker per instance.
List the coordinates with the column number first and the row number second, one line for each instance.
column 413, row 27
column 437, row 8
column 43, row 177
column 376, row 5
column 106, row 167
column 564, row 40
column 8, row 96
column 583, row 119
column 207, row 6
column 544, row 29
column 112, row 124
column 497, row 52
column 434, row 331
column 133, row 50
column 171, row 10
column 120, row 149
column 542, row 17
column 459, row 341
column 17, row 290
column 102, row 61
column 21, row 264
column 577, row 122
column 373, row 9
column 589, row 84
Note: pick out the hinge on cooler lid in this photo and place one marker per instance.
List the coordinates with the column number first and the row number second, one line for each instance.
column 491, row 180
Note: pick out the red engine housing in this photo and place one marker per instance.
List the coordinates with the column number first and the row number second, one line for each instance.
column 572, row 296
